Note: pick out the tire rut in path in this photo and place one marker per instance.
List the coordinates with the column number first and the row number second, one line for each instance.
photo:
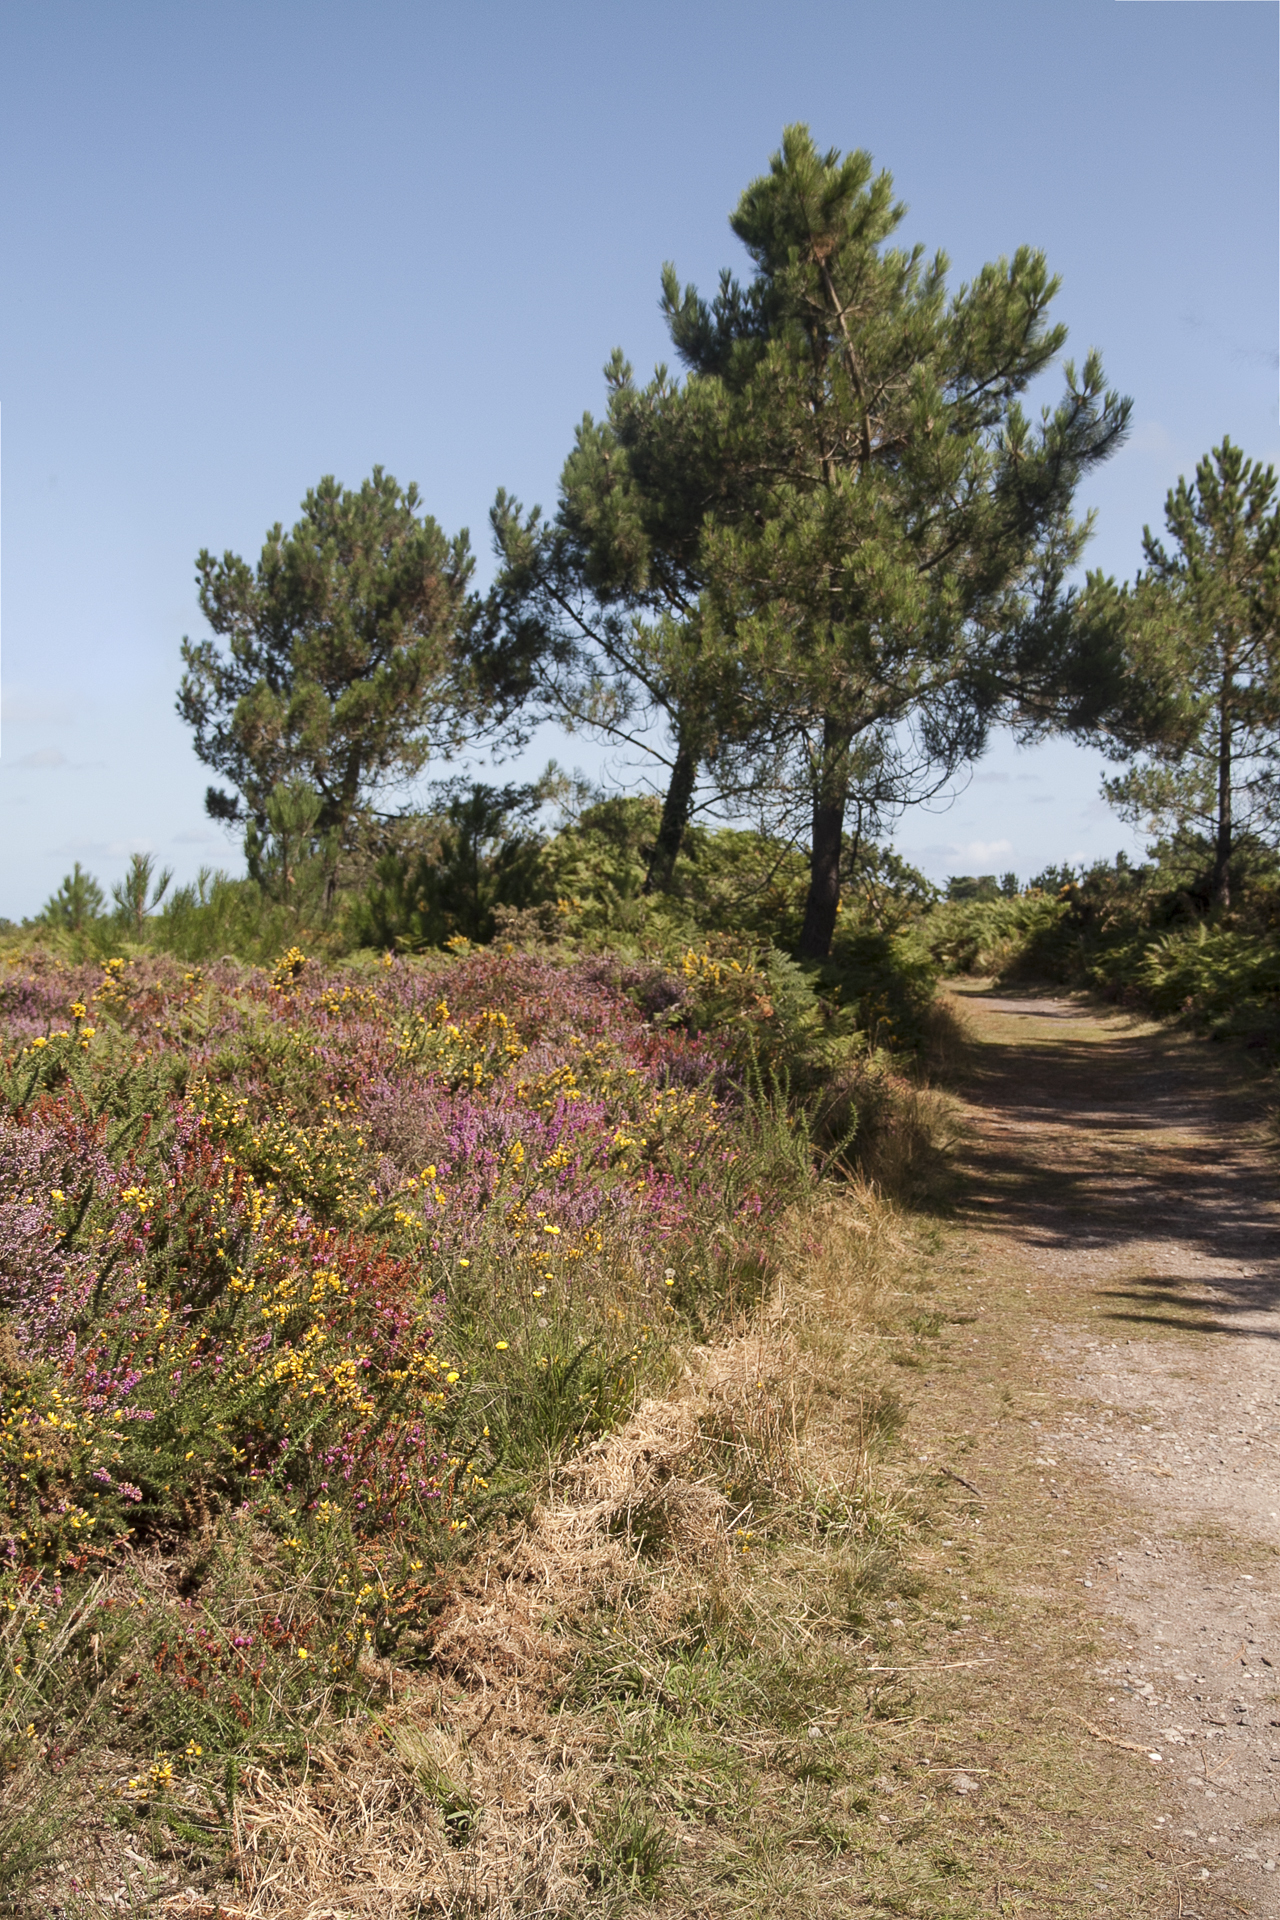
column 1120, row 1169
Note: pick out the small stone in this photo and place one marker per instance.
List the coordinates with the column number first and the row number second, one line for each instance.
column 964, row 1784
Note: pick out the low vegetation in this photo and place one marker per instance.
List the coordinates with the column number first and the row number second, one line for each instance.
column 1145, row 936
column 450, row 1393
column 316, row 1280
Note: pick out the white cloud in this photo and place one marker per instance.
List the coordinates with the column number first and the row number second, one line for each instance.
column 44, row 757
column 1149, row 436
column 980, row 850
column 974, row 852
column 37, row 707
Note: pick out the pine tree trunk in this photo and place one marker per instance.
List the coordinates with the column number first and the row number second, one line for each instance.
column 1220, row 891
column 675, row 818
column 823, row 903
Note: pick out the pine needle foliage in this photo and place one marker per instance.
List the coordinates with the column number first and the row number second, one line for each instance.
column 1200, row 720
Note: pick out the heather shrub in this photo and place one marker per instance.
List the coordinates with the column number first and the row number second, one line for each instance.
column 253, row 1197
column 312, row 1270
column 306, row 1273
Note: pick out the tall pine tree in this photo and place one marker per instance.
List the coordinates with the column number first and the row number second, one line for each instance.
column 1200, row 722
column 893, row 579
column 597, row 615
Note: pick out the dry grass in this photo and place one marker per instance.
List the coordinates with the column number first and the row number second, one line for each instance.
column 718, row 1671
column 910, row 1153
column 490, row 1782
column 500, row 1782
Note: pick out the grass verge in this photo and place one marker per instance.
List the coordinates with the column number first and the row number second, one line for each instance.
column 758, row 1650
column 755, row 1637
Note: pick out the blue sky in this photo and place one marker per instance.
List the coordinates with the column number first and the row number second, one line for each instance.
column 247, row 245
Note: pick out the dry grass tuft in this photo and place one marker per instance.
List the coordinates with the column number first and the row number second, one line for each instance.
column 473, row 1792
column 413, row 1817
column 639, row 1489
column 906, row 1154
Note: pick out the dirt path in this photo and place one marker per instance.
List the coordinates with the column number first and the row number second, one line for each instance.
column 1126, row 1215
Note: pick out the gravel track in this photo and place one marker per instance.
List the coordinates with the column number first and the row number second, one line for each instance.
column 1124, row 1170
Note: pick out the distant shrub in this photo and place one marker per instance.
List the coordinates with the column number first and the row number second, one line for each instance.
column 1209, row 971
column 481, row 854
column 219, row 916
column 990, row 934
column 985, row 887
column 1142, row 934
column 78, row 901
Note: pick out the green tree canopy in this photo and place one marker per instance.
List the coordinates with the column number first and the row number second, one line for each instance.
column 338, row 662
column 600, row 609
column 894, row 579
column 78, row 901
column 1200, row 718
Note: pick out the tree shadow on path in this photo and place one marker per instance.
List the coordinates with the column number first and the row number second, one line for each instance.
column 1102, row 1140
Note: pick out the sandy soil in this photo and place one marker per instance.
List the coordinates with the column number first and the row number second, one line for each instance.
column 1123, row 1170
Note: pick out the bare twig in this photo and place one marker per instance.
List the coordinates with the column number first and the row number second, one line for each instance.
column 943, row 1666
column 961, row 1481
column 1127, row 1746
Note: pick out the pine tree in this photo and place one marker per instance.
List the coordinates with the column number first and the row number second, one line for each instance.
column 78, row 901
column 600, row 609
column 338, row 670
column 140, row 892
column 894, row 581
column 1200, row 722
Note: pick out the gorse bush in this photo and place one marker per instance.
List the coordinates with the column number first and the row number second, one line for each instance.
column 233, row 1208
column 306, row 1272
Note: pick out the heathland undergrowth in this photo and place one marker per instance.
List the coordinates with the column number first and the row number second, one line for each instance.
column 322, row 1288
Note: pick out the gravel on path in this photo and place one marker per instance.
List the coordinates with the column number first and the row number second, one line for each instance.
column 1127, row 1173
